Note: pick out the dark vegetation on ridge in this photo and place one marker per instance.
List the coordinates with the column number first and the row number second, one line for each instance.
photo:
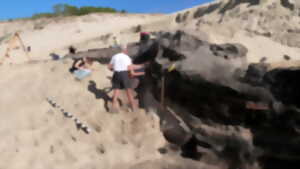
column 69, row 10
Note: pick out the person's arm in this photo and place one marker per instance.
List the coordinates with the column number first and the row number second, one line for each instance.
column 78, row 63
column 110, row 65
column 88, row 63
column 134, row 67
column 137, row 66
column 89, row 66
column 132, row 71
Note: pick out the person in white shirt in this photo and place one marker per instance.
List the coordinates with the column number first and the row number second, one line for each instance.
column 123, row 69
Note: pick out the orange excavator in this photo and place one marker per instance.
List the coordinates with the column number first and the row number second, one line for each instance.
column 12, row 44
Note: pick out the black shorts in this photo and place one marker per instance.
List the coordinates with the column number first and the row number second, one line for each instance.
column 121, row 80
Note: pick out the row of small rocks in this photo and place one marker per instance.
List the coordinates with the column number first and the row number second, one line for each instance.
column 79, row 124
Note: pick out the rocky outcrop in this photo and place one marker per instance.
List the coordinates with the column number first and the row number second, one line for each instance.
column 182, row 17
column 284, row 84
column 102, row 55
column 208, row 118
column 255, row 73
column 288, row 4
column 230, row 4
column 229, row 51
column 206, row 10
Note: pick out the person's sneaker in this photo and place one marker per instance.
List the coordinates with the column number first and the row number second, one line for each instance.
column 136, row 110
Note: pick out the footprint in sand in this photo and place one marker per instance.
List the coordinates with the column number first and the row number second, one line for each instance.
column 97, row 128
column 74, row 138
column 36, row 143
column 50, row 112
column 100, row 149
column 52, row 149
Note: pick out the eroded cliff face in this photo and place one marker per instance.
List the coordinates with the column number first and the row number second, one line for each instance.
column 228, row 118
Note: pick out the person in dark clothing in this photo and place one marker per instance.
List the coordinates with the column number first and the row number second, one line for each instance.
column 81, row 63
column 144, row 37
column 78, row 62
column 72, row 50
column 83, row 68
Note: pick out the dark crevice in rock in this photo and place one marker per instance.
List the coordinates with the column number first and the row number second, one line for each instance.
column 178, row 18
column 287, row 4
column 233, row 3
column 284, row 84
column 206, row 10
column 182, row 17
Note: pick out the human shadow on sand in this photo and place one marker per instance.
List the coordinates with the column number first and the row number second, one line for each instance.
column 100, row 93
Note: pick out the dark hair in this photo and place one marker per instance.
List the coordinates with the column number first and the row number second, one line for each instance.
column 72, row 50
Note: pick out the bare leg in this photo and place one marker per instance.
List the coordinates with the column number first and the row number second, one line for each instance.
column 129, row 93
column 115, row 99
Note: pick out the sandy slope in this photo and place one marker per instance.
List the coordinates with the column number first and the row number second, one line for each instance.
column 34, row 135
column 56, row 35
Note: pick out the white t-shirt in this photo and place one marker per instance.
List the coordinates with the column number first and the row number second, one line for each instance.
column 120, row 62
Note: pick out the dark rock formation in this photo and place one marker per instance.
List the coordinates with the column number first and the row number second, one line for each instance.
column 284, row 84
column 206, row 10
column 229, row 51
column 255, row 73
column 209, row 103
column 102, row 55
column 185, row 15
column 178, row 18
column 182, row 17
column 287, row 4
column 233, row 3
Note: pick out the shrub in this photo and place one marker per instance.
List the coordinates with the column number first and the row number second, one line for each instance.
column 69, row 10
